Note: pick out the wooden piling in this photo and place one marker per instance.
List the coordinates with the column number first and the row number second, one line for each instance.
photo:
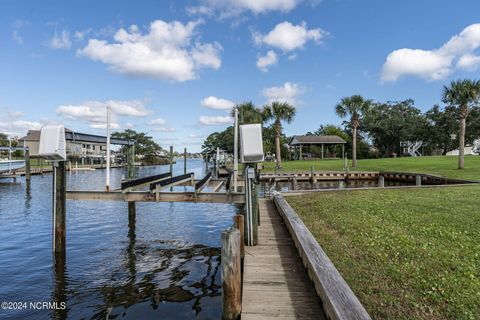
column 27, row 166
column 59, row 206
column 239, row 223
column 132, row 210
column 418, row 180
column 171, row 160
column 231, row 275
column 185, row 160
column 381, row 181
column 130, row 161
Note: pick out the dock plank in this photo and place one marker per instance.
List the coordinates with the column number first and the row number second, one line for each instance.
column 275, row 282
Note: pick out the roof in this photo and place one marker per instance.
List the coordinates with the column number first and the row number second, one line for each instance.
column 34, row 135
column 70, row 135
column 297, row 140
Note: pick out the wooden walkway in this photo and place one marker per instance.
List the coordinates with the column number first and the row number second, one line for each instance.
column 275, row 282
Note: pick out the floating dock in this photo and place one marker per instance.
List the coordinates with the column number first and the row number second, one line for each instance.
column 275, row 282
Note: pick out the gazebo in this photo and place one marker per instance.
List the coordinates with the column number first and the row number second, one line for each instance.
column 297, row 142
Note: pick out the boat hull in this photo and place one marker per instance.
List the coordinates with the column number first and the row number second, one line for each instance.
column 13, row 165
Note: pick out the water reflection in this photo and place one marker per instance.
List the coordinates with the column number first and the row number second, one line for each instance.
column 162, row 262
column 176, row 265
column 59, row 294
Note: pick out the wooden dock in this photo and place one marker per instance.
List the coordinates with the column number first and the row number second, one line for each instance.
column 275, row 282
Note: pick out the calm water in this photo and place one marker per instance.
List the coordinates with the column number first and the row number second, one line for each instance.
column 164, row 265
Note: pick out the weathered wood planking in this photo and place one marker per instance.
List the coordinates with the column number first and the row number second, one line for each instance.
column 275, row 282
column 231, row 275
column 339, row 301
column 147, row 196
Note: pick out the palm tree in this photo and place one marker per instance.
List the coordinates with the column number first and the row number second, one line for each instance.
column 278, row 112
column 463, row 94
column 248, row 113
column 355, row 107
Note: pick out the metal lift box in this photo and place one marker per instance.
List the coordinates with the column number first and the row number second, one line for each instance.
column 251, row 143
column 52, row 143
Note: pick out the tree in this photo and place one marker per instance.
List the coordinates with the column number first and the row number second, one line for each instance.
column 222, row 140
column 355, row 107
column 3, row 140
column 463, row 94
column 248, row 113
column 144, row 144
column 278, row 112
column 388, row 124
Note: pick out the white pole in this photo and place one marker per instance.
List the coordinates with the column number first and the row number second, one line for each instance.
column 107, row 183
column 235, row 151
column 217, row 161
column 9, row 155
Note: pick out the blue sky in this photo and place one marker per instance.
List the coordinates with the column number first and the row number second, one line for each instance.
column 174, row 68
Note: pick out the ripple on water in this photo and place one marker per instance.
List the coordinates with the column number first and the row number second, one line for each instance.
column 165, row 265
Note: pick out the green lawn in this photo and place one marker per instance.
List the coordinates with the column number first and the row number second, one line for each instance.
column 407, row 254
column 440, row 165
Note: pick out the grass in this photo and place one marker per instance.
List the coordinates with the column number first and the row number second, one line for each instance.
column 407, row 254
column 445, row 166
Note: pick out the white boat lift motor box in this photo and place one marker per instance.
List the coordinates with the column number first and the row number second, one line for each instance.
column 251, row 143
column 52, row 143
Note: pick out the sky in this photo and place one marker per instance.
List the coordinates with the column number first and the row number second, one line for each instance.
column 174, row 69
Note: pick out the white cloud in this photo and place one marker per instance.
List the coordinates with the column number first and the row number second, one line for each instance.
column 80, row 35
column 469, row 62
column 17, row 26
column 436, row 64
column 215, row 120
column 12, row 124
column 168, row 51
column 60, row 40
column 289, row 93
column 103, row 126
column 16, row 37
column 195, row 136
column 229, row 8
column 289, row 37
column 95, row 112
column 264, row 62
column 164, row 129
column 158, row 121
column 212, row 102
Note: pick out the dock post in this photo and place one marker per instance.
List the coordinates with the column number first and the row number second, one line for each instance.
column 239, row 223
column 185, row 160
column 418, row 180
column 27, row 167
column 130, row 161
column 59, row 206
column 132, row 211
column 381, row 181
column 231, row 275
column 294, row 182
column 171, row 161
column 251, row 207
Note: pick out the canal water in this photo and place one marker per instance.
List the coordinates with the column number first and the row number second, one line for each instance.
column 165, row 265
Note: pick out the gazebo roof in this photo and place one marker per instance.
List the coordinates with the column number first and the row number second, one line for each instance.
column 298, row 140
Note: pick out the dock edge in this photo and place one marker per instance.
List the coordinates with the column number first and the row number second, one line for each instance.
column 339, row 301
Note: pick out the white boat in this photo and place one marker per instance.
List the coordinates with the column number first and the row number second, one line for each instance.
column 11, row 165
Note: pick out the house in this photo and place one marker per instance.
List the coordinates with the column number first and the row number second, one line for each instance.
column 297, row 143
column 78, row 144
